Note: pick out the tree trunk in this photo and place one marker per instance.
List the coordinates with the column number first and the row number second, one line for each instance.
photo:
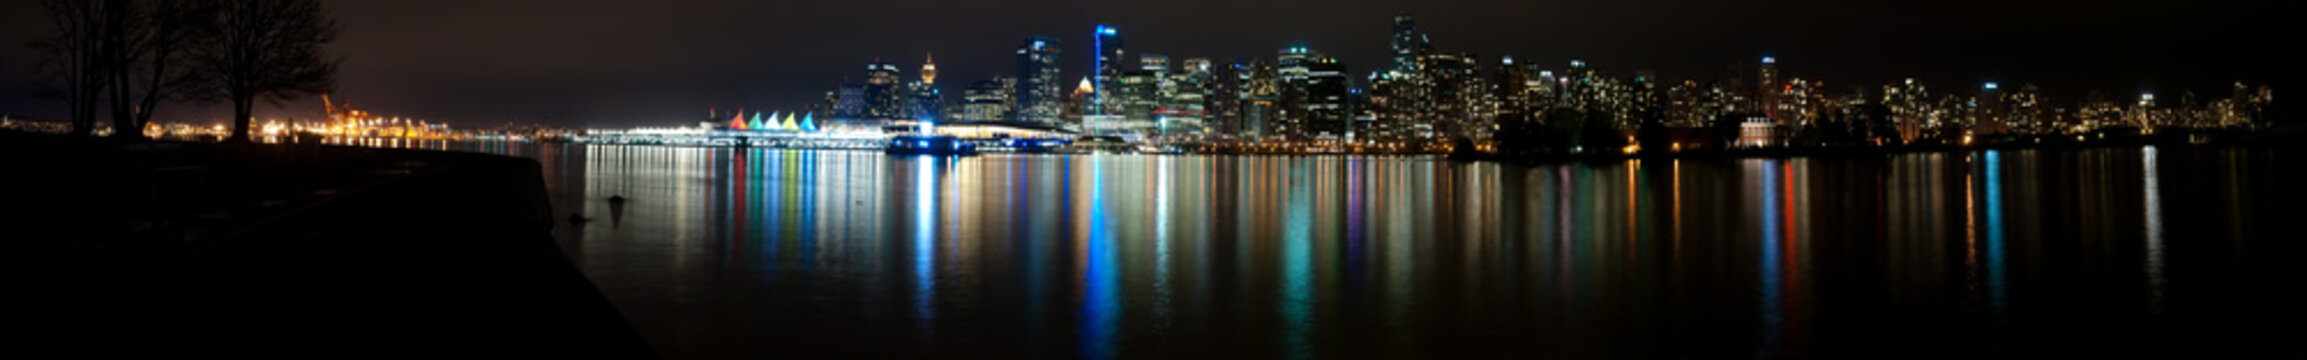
column 241, row 105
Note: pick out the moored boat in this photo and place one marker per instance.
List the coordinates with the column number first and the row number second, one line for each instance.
column 928, row 145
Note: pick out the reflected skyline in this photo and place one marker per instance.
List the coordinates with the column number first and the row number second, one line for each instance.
column 1313, row 257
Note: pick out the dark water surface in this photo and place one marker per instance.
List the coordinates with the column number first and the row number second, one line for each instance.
column 2174, row 252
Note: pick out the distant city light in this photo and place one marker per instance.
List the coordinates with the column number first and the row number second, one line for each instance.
column 1769, row 60
column 1991, row 85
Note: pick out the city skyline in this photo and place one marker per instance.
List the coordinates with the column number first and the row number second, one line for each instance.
column 618, row 86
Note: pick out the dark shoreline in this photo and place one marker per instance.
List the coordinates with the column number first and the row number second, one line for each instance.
column 165, row 247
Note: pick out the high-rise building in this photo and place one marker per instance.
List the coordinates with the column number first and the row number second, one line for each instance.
column 1039, row 95
column 1406, row 43
column 1767, row 88
column 927, row 102
column 1992, row 117
column 884, row 95
column 1390, row 106
column 929, row 69
column 1185, row 105
column 1260, row 98
column 1511, row 89
column 1076, row 101
column 1107, row 71
column 1157, row 64
column 2026, row 110
column 1292, row 65
column 1139, row 94
column 989, row 100
column 1225, row 99
column 1327, row 92
column 1910, row 108
column 1452, row 95
column 852, row 103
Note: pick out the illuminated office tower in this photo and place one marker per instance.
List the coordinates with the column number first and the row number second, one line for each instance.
column 1185, row 105
column 1326, row 114
column 851, row 105
column 927, row 102
column 1451, row 95
column 1991, row 116
column 1767, row 88
column 989, row 100
column 1107, row 71
column 1511, row 91
column 1225, row 99
column 1292, row 65
column 1406, row 43
column 884, row 99
column 1261, row 98
column 1157, row 64
column 1039, row 92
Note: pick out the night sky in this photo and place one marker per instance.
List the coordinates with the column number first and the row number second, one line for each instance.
column 663, row 62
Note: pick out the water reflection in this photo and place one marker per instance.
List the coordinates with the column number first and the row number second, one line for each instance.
column 731, row 252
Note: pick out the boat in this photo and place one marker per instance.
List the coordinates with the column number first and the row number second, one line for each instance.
column 1097, row 145
column 1034, row 146
column 929, row 145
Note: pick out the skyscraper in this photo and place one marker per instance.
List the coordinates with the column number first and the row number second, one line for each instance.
column 884, row 99
column 1107, row 70
column 1452, row 94
column 1260, row 98
column 989, row 100
column 1185, row 100
column 1992, row 117
column 1291, row 67
column 1406, row 43
column 1511, row 90
column 927, row 102
column 851, row 106
column 1158, row 64
column 929, row 69
column 1766, row 87
column 1327, row 90
column 1225, row 99
column 1039, row 93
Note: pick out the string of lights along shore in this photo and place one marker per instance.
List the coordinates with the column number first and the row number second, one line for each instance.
column 1426, row 94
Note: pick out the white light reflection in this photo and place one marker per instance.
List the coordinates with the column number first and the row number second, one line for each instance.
column 924, row 242
column 2154, row 212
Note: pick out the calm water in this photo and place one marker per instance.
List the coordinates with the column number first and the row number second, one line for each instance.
column 762, row 252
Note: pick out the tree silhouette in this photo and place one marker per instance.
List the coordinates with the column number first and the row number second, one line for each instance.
column 270, row 50
column 75, row 56
column 151, row 57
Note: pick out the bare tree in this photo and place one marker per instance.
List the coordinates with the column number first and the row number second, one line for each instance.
column 270, row 50
column 150, row 63
column 76, row 55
